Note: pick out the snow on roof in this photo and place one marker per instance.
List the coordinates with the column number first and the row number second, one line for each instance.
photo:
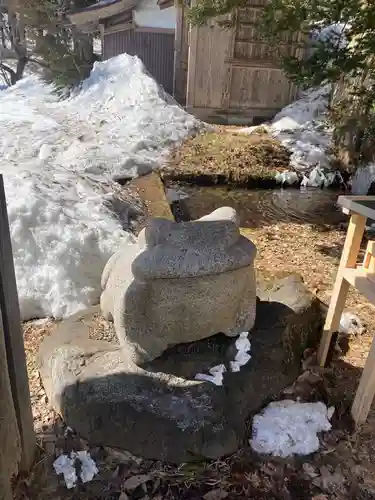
column 101, row 10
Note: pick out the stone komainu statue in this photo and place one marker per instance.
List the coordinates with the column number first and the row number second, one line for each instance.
column 184, row 282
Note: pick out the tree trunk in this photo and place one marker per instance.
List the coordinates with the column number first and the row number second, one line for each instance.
column 21, row 65
column 84, row 49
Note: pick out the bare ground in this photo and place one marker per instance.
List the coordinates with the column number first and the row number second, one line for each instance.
column 344, row 467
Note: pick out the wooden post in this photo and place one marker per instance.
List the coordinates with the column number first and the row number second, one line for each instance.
column 14, row 340
column 348, row 260
column 366, row 389
column 192, row 62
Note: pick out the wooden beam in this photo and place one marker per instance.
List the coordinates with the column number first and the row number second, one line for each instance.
column 226, row 92
column 117, row 28
column 192, row 62
column 145, row 29
column 366, row 389
column 177, row 63
column 14, row 340
column 348, row 260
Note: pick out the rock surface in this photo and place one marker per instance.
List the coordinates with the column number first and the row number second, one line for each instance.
column 159, row 411
column 184, row 282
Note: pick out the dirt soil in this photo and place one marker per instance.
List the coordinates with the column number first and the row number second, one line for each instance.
column 228, row 157
column 342, row 469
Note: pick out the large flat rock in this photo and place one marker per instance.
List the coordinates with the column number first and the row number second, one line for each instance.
column 159, row 411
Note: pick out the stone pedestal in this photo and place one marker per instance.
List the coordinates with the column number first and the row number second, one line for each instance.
column 159, row 411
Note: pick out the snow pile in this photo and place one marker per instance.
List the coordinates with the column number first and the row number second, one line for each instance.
column 59, row 158
column 303, row 128
column 287, row 427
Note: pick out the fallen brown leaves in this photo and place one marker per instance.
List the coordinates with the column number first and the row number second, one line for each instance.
column 344, row 467
column 228, row 158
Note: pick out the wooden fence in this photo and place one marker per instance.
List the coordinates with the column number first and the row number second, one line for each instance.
column 17, row 436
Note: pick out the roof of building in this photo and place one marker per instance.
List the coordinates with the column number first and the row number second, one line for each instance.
column 100, row 11
column 104, row 9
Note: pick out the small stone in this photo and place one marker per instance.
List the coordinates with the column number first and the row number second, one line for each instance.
column 218, row 494
column 310, row 470
column 121, row 456
column 133, row 482
column 330, row 412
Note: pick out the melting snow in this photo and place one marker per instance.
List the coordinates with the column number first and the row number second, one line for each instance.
column 65, row 464
column 241, row 358
column 362, row 179
column 243, row 355
column 215, row 377
column 59, row 158
column 287, row 427
column 302, row 127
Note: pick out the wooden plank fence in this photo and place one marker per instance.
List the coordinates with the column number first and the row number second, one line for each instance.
column 17, row 436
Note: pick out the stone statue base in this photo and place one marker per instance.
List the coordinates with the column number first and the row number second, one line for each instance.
column 159, row 411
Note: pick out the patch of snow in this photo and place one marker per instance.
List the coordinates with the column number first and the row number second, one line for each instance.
column 97, row 46
column 302, row 127
column 243, row 355
column 362, row 179
column 65, row 464
column 241, row 358
column 288, row 428
column 333, row 35
column 318, row 178
column 289, row 178
column 351, row 324
column 215, row 377
column 88, row 466
column 59, row 157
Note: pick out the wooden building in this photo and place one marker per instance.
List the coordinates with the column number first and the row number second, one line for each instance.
column 222, row 75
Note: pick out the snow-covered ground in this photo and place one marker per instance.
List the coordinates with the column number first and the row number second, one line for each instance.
column 59, row 157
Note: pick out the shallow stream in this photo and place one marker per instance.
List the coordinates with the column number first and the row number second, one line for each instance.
column 260, row 207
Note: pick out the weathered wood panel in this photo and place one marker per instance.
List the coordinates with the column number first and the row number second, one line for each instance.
column 10, row 446
column 155, row 49
column 13, row 337
column 11, row 323
column 208, row 70
column 259, row 88
column 262, row 51
column 249, row 31
column 236, row 72
column 181, row 54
